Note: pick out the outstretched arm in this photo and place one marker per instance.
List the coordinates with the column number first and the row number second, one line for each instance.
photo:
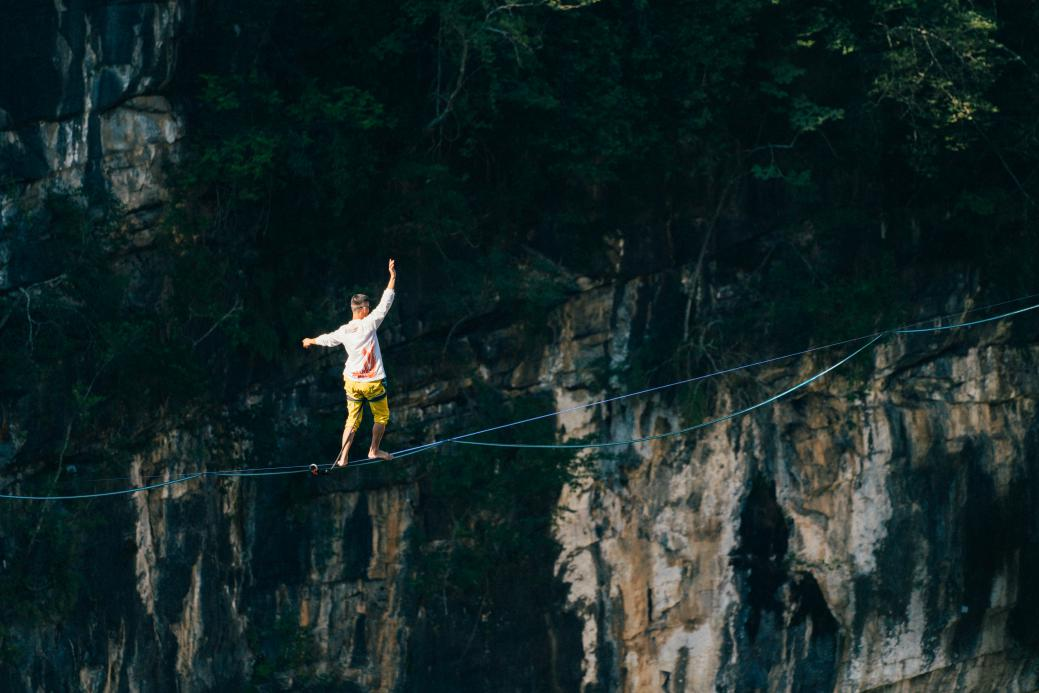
column 326, row 340
column 392, row 284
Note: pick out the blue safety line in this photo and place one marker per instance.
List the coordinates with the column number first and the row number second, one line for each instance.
column 874, row 338
column 461, row 439
column 729, row 416
column 972, row 323
column 179, row 480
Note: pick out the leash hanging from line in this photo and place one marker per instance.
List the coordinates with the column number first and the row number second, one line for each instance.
column 463, row 438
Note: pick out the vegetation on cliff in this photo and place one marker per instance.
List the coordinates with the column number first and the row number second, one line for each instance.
column 823, row 158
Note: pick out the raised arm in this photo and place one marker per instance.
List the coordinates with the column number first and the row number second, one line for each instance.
column 379, row 314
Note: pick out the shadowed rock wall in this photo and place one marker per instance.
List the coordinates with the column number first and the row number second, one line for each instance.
column 83, row 109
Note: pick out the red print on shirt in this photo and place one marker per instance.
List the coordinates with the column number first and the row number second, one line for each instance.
column 368, row 365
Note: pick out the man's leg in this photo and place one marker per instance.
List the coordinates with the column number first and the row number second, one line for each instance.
column 353, row 422
column 348, row 438
column 380, row 405
column 377, row 431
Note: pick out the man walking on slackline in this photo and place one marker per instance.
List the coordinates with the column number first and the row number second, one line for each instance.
column 363, row 373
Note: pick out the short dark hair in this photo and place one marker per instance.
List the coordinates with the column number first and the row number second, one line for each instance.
column 359, row 301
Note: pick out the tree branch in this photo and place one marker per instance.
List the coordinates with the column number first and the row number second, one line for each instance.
column 463, row 63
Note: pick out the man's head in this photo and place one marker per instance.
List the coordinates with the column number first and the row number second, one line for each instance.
column 360, row 305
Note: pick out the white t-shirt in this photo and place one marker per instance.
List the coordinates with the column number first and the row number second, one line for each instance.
column 363, row 356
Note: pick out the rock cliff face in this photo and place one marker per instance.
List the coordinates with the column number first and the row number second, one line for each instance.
column 872, row 533
column 876, row 531
column 83, row 109
column 239, row 582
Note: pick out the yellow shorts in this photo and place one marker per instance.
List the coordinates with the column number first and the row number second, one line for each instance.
column 356, row 393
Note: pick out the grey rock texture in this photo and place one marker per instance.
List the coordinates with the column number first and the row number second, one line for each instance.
column 873, row 532
column 83, row 109
column 280, row 583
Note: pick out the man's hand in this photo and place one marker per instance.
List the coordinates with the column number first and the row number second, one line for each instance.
column 307, row 342
column 393, row 275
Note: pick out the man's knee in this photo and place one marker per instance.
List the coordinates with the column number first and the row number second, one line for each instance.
column 354, row 412
column 381, row 411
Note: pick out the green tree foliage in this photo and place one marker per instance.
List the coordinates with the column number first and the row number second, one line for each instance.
column 460, row 135
column 481, row 574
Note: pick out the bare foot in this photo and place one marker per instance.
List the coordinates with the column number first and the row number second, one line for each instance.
column 341, row 463
column 381, row 454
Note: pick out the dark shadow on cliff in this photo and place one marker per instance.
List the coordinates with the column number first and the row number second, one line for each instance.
column 788, row 630
column 953, row 534
column 487, row 609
